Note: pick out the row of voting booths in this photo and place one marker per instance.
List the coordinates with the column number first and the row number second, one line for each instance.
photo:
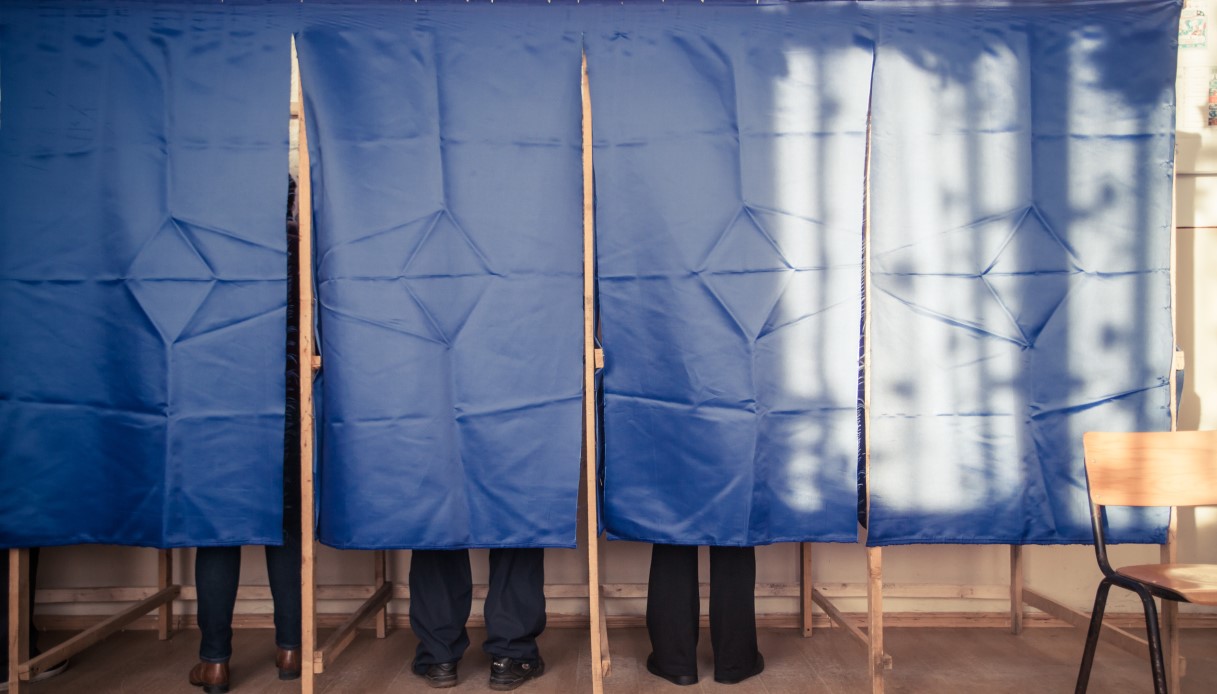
column 805, row 272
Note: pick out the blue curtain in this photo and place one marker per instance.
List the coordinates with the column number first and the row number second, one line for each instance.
column 1021, row 183
column 447, row 179
column 729, row 155
column 143, row 154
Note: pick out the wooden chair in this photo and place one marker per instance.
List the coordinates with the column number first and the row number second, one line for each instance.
column 1149, row 469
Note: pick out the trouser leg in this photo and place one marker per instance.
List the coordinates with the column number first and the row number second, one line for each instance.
column 733, row 611
column 441, row 595
column 515, row 603
column 283, row 572
column 217, row 570
column 283, row 564
column 673, row 608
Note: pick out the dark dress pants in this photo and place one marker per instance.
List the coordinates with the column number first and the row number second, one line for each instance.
column 673, row 610
column 441, row 596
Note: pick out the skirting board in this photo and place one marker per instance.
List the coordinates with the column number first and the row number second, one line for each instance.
column 896, row 620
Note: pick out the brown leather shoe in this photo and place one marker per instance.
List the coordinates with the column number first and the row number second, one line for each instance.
column 212, row 677
column 288, row 662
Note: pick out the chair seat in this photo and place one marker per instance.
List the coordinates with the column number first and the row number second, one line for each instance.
column 1196, row 583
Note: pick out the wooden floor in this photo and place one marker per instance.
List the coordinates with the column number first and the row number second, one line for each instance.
column 926, row 660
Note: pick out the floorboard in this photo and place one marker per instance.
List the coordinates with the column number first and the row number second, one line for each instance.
column 926, row 661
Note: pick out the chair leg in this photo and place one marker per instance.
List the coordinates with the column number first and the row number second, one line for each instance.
column 1155, row 641
column 1092, row 636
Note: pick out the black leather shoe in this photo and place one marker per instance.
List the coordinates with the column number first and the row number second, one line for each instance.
column 682, row 680
column 760, row 667
column 507, row 674
column 440, row 675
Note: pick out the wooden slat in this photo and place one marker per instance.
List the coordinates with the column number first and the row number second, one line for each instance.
column 18, row 615
column 879, row 661
column 834, row 616
column 778, row 620
column 1016, row 589
column 1161, row 468
column 96, row 633
column 381, row 561
column 342, row 637
column 612, row 591
column 805, row 587
column 164, row 579
column 1111, row 634
column 598, row 632
column 304, row 274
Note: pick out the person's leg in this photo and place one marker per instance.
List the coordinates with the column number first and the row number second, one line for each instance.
column 283, row 572
column 733, row 613
column 515, row 616
column 217, row 570
column 515, row 603
column 283, row 564
column 673, row 608
column 441, row 595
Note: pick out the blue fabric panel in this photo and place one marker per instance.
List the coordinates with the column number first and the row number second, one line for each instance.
column 1021, row 182
column 729, row 154
column 447, row 189
column 143, row 152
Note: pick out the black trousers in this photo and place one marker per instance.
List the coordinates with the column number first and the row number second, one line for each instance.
column 4, row 607
column 441, row 595
column 673, row 609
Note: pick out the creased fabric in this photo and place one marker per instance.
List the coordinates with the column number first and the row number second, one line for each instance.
column 447, row 179
column 1021, row 183
column 143, row 153
column 729, row 155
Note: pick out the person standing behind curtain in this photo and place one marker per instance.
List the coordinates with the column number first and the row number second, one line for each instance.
column 441, row 594
column 217, row 570
column 674, row 608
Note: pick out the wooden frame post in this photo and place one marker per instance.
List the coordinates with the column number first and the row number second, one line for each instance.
column 308, row 366
column 1016, row 589
column 18, row 615
column 381, row 577
column 597, row 627
column 806, row 586
column 164, row 576
column 879, row 662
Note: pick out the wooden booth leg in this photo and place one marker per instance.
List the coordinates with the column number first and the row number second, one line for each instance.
column 164, row 579
column 307, row 357
column 382, row 578
column 18, row 615
column 879, row 663
column 597, row 627
column 805, row 588
column 1016, row 589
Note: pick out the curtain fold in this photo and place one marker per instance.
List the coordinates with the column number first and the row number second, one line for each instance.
column 447, row 177
column 143, row 154
column 1021, row 188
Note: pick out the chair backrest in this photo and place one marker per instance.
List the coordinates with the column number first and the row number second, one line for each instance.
column 1169, row 468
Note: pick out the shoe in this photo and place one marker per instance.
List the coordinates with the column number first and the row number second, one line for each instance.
column 440, row 675
column 507, row 674
column 760, row 667
column 682, row 680
column 212, row 677
column 53, row 671
column 288, row 662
